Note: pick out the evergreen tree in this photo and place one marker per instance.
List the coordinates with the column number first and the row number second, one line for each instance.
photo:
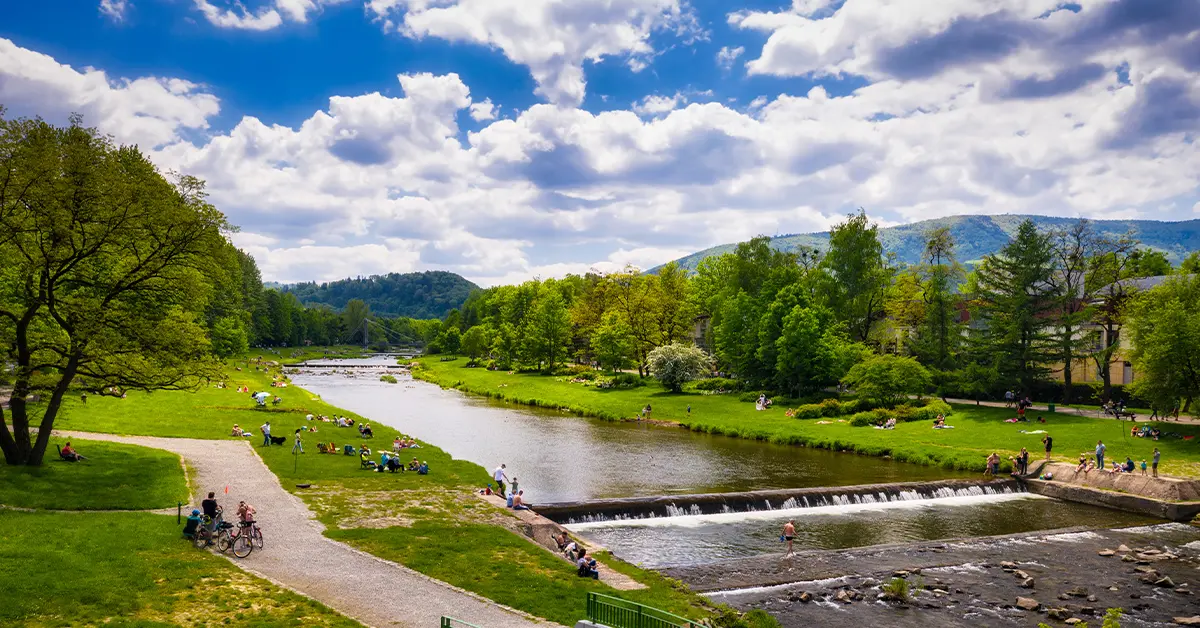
column 1015, row 307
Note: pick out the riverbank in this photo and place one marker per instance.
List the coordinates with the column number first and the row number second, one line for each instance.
column 978, row 431
column 431, row 523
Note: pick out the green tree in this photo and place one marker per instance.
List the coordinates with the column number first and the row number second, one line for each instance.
column 976, row 381
column 888, row 379
column 1074, row 249
column 1014, row 303
column 449, row 341
column 612, row 342
column 506, row 345
column 354, row 319
column 938, row 337
column 857, row 273
column 106, row 269
column 677, row 364
column 476, row 341
column 812, row 351
column 228, row 336
column 549, row 328
column 1191, row 264
column 1164, row 326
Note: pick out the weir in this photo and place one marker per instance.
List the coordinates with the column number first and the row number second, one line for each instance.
column 599, row 510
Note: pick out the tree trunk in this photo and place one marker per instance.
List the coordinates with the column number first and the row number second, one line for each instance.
column 1067, row 381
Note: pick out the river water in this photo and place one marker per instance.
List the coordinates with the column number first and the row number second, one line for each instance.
column 561, row 457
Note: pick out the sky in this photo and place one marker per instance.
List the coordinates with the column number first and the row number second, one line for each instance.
column 511, row 139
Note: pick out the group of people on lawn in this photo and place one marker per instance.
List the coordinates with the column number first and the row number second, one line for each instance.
column 1088, row 464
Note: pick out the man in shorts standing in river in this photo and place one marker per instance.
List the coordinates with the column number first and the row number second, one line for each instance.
column 789, row 533
column 499, row 476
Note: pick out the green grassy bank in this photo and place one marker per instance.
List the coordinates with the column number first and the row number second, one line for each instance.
column 114, row 477
column 977, row 432
column 132, row 569
column 431, row 523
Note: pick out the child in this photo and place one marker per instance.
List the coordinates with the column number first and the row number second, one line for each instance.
column 1143, row 466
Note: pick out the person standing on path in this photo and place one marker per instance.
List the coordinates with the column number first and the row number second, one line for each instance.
column 1154, row 462
column 1100, row 449
column 499, row 476
column 1049, row 443
column 789, row 534
column 265, row 428
column 299, row 444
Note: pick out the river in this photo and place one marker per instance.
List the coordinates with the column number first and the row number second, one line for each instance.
column 562, row 457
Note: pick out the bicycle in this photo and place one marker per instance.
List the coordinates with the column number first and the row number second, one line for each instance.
column 209, row 531
column 243, row 540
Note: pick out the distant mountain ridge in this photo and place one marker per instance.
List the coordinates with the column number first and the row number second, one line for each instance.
column 429, row 294
column 977, row 236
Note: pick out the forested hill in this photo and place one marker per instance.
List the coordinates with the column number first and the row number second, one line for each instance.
column 430, row 294
column 976, row 236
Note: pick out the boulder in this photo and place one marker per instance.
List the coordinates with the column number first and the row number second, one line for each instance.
column 1027, row 583
column 1078, row 592
column 1073, row 620
column 1061, row 614
column 1194, row 620
column 1107, row 552
column 1165, row 581
column 1027, row 603
column 1020, row 574
column 1091, row 598
column 1124, row 549
column 1007, row 564
column 805, row 597
column 842, row 596
column 1128, row 559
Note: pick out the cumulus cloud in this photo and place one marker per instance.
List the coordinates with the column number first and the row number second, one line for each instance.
column 553, row 38
column 726, row 56
column 483, row 111
column 268, row 16
column 374, row 183
column 115, row 9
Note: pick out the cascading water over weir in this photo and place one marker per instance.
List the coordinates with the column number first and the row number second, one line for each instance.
column 767, row 503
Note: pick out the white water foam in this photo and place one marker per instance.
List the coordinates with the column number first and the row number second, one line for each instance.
column 1157, row 528
column 692, row 517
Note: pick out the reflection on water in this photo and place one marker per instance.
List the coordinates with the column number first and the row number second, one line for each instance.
column 698, row 540
column 561, row 457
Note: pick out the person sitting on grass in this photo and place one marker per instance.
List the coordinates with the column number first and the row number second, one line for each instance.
column 192, row 527
column 394, row 464
column 397, row 444
column 413, row 465
column 423, row 469
column 586, row 566
column 69, row 453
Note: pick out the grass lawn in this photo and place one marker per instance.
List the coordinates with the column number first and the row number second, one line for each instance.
column 502, row 566
column 114, row 477
column 132, row 569
column 978, row 430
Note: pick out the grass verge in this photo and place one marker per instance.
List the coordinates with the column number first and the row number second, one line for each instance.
column 132, row 569
column 978, row 430
column 114, row 477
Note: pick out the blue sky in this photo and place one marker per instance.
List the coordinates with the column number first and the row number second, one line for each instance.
column 505, row 139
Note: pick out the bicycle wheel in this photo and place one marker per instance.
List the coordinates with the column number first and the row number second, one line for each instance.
column 199, row 539
column 242, row 545
column 258, row 537
column 224, row 541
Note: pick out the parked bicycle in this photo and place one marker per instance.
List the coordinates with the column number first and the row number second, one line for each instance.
column 241, row 539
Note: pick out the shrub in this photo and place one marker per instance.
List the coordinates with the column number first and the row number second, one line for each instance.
column 718, row 383
column 930, row 411
column 896, row 590
column 677, row 364
column 626, row 380
column 751, row 396
column 577, row 370
column 831, row 407
column 863, row 419
column 855, row 405
column 389, row 378
column 888, row 379
column 809, row 411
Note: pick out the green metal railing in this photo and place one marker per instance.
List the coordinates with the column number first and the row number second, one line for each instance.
column 450, row 622
column 617, row 613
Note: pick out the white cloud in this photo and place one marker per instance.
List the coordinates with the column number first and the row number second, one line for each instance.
column 726, row 56
column 553, row 38
column 115, row 9
column 483, row 111
column 373, row 183
column 238, row 17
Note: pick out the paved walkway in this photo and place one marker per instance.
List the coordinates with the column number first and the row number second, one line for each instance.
column 1088, row 412
column 297, row 555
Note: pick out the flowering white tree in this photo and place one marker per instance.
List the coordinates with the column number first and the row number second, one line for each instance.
column 676, row 364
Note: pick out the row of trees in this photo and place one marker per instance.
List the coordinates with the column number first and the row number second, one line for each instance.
column 796, row 321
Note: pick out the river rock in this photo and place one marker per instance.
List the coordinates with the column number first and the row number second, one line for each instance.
column 1078, row 592
column 1124, row 549
column 1061, row 614
column 1027, row 583
column 1027, row 603
column 1007, row 564
column 1145, row 569
column 1091, row 598
column 842, row 596
column 1021, row 574
column 1087, row 610
column 915, row 572
column 1073, row 620
column 900, row 574
column 1107, row 552
column 1128, row 559
column 1182, row 590
column 1194, row 620
column 1165, row 581
column 805, row 597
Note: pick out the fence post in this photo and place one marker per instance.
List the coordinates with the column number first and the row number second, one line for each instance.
column 178, row 513
column 641, row 609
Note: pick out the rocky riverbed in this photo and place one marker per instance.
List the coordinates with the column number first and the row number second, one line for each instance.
column 1062, row 578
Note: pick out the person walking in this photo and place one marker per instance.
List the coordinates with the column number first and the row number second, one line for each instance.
column 1049, row 443
column 499, row 476
column 789, row 534
column 299, row 444
column 1154, row 462
column 1100, row 449
column 265, row 428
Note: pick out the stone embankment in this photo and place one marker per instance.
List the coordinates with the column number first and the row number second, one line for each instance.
column 1169, row 498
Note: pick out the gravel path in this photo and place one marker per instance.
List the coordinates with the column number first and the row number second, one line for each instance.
column 372, row 590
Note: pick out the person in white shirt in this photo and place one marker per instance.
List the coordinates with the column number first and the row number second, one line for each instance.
column 499, row 476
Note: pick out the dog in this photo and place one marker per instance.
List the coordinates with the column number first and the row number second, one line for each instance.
column 278, row 440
